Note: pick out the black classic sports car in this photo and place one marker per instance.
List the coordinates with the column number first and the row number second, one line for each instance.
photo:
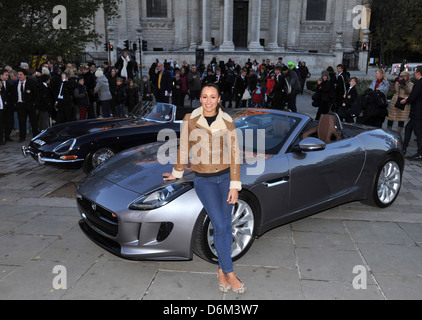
column 293, row 167
column 89, row 143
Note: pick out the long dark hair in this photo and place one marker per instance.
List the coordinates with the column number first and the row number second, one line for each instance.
column 213, row 85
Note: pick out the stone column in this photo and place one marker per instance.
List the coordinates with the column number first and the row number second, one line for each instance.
column 294, row 23
column 274, row 22
column 255, row 31
column 228, row 44
column 194, row 14
column 180, row 23
column 206, row 25
column 338, row 48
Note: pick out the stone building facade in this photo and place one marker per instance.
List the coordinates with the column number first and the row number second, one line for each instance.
column 317, row 31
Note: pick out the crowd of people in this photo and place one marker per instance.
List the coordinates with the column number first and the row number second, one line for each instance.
column 265, row 84
column 55, row 94
column 337, row 92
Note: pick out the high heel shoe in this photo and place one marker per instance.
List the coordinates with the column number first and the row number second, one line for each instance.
column 241, row 289
column 223, row 288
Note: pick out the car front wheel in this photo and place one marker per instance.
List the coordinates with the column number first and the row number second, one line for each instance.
column 97, row 158
column 244, row 218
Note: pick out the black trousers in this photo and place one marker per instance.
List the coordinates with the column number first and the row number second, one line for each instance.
column 2, row 124
column 416, row 126
column 9, row 120
column 291, row 103
column 26, row 110
column 64, row 111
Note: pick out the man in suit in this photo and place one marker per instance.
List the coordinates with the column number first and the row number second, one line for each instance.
column 3, row 105
column 9, row 111
column 415, row 122
column 240, row 86
column 25, row 98
column 163, row 84
column 341, row 86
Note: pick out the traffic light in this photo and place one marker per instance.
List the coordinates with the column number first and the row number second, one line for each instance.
column 365, row 47
column 144, row 45
column 135, row 46
column 111, row 47
column 106, row 46
column 126, row 42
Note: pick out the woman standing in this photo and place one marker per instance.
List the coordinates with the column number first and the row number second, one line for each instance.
column 104, row 95
column 303, row 74
column 326, row 92
column 396, row 111
column 217, row 173
column 374, row 105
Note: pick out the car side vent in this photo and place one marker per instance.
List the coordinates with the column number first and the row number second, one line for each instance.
column 164, row 231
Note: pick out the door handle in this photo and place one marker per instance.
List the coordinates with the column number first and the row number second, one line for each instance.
column 276, row 182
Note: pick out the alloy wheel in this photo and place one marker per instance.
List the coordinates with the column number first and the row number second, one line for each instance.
column 389, row 182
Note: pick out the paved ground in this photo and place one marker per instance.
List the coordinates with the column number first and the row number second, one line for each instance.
column 316, row 258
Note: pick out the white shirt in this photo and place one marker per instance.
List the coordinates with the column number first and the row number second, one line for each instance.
column 19, row 90
column 60, row 96
column 1, row 103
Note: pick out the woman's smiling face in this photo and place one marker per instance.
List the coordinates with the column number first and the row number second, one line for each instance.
column 209, row 100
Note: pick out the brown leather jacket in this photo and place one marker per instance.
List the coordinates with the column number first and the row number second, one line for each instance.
column 213, row 148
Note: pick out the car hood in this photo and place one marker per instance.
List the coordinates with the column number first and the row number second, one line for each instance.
column 138, row 169
column 70, row 130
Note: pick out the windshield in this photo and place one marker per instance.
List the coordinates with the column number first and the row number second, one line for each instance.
column 264, row 131
column 154, row 111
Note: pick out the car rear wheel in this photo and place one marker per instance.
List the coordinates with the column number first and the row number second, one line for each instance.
column 386, row 184
column 97, row 158
column 244, row 219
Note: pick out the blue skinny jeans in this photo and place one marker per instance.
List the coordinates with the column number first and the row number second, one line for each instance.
column 213, row 193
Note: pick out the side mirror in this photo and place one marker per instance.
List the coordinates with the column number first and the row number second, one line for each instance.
column 311, row 144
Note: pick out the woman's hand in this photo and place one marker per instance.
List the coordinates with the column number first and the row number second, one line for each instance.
column 168, row 177
column 233, row 196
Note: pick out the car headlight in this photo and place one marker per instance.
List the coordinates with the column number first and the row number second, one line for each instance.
column 160, row 197
column 65, row 147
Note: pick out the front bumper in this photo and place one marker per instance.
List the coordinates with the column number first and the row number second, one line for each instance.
column 162, row 234
column 42, row 159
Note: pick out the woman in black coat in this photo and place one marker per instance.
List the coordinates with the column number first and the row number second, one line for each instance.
column 132, row 91
column 325, row 91
column 351, row 103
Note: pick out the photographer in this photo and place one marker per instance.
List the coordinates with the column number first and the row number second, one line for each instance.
column 415, row 115
column 397, row 111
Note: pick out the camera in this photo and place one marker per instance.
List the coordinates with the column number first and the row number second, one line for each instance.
column 401, row 82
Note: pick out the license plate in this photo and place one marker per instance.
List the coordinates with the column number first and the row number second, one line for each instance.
column 40, row 142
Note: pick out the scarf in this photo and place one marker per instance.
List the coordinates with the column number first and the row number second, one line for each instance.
column 123, row 72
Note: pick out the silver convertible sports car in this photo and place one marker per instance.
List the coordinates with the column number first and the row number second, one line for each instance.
column 292, row 167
